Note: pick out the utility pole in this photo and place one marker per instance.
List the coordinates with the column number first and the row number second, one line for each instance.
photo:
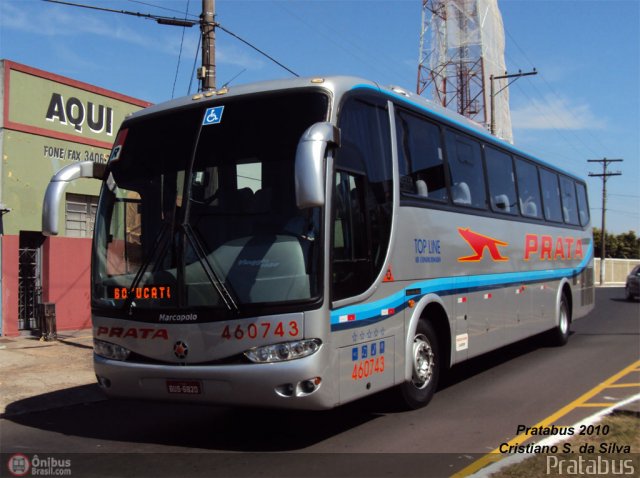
column 494, row 93
column 207, row 73
column 604, row 175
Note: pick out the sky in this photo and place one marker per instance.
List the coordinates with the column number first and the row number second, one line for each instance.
column 584, row 103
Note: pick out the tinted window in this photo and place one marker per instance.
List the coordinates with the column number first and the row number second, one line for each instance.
column 420, row 157
column 502, row 187
column 465, row 165
column 528, row 189
column 551, row 196
column 569, row 202
column 362, row 198
column 583, row 205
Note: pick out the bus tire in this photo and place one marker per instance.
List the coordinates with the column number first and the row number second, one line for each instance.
column 426, row 363
column 560, row 334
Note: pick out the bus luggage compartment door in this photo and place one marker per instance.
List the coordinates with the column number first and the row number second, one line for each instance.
column 366, row 368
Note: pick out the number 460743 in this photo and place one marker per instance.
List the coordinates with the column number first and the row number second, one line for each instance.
column 366, row 368
column 262, row 330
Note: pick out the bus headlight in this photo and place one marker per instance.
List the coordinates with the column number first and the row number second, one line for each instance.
column 283, row 351
column 110, row 351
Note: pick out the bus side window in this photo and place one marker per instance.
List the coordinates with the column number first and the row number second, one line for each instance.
column 467, row 176
column 569, row 203
column 528, row 189
column 551, row 196
column 583, row 205
column 420, row 157
column 502, row 188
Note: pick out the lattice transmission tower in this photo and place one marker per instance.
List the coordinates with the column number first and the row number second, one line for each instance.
column 461, row 46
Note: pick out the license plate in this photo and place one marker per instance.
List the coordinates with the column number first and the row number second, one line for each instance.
column 184, row 387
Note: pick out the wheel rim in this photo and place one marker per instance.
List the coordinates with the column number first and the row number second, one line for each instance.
column 564, row 320
column 423, row 361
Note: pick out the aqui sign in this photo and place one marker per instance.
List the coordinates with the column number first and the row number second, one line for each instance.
column 49, row 105
column 99, row 118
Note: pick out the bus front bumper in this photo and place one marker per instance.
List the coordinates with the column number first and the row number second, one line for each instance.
column 297, row 384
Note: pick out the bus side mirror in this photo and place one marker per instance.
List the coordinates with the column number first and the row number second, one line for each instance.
column 309, row 167
column 57, row 186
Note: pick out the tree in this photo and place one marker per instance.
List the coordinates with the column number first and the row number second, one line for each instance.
column 629, row 245
column 622, row 246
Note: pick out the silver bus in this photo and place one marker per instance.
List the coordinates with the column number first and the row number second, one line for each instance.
column 304, row 243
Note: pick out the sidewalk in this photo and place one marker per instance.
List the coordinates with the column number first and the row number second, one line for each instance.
column 37, row 375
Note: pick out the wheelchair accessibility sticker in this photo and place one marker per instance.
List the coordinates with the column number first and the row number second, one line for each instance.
column 213, row 115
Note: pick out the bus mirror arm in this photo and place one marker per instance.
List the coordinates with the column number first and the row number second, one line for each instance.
column 58, row 184
column 309, row 166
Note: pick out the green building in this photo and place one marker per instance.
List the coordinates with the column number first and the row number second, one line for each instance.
column 47, row 122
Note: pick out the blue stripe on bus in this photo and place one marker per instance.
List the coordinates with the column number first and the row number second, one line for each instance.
column 371, row 312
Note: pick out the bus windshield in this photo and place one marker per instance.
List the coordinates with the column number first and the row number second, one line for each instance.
column 197, row 213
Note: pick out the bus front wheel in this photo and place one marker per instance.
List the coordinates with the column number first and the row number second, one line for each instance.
column 425, row 360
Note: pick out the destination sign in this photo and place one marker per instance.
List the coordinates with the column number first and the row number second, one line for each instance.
column 158, row 292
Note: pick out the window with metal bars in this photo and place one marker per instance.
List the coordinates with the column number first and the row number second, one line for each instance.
column 80, row 214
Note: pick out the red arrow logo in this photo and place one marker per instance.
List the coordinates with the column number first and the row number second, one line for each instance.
column 479, row 243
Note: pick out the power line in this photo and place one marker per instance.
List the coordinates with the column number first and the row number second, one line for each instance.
column 554, row 93
column 162, row 8
column 158, row 18
column 619, row 211
column 176, row 22
column 625, row 195
column 256, row 49
column 348, row 44
column 195, row 61
column 175, row 78
column 558, row 131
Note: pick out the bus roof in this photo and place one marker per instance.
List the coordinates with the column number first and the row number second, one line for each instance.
column 338, row 86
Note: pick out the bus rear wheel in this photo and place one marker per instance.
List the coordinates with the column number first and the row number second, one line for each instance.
column 560, row 334
column 425, row 360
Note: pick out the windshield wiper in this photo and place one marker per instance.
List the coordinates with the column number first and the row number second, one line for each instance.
column 222, row 290
column 213, row 277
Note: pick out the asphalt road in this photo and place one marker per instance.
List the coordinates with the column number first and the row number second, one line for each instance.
column 480, row 406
